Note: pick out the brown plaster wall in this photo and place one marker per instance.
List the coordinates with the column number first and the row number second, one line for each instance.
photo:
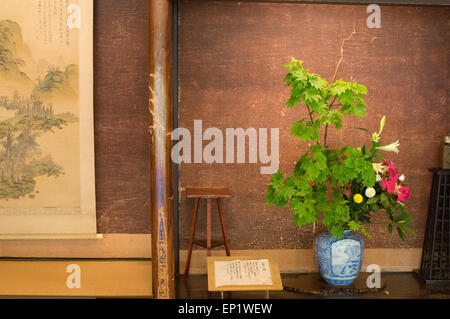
column 231, row 71
column 121, row 116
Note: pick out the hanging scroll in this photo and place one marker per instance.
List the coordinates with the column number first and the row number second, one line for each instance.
column 47, row 181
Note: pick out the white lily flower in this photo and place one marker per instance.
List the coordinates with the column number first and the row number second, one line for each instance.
column 370, row 192
column 390, row 148
column 378, row 167
column 401, row 178
column 378, row 178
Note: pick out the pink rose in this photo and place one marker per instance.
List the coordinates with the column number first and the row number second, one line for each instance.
column 392, row 171
column 403, row 193
column 390, row 183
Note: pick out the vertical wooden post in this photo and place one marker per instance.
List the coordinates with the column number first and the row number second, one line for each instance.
column 160, row 105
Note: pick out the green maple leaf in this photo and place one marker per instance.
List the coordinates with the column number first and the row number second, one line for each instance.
column 318, row 82
column 305, row 130
column 318, row 107
column 339, row 87
column 359, row 88
column 303, row 187
column 304, row 211
column 354, row 226
column 299, row 75
column 312, row 95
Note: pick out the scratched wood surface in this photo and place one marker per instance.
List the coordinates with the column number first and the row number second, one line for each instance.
column 160, row 107
column 122, row 116
column 231, row 70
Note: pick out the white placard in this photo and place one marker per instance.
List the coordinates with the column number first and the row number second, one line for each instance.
column 242, row 272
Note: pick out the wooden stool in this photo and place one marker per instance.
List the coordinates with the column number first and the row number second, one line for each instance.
column 208, row 194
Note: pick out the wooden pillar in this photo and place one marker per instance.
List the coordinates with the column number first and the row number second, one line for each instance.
column 160, row 105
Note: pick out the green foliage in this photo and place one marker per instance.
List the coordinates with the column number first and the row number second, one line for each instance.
column 317, row 184
column 9, row 35
column 327, row 103
column 42, row 124
column 20, row 156
column 21, row 159
column 325, row 180
column 305, row 130
column 45, row 166
column 16, row 189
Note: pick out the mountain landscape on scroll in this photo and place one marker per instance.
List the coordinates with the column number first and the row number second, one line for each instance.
column 37, row 98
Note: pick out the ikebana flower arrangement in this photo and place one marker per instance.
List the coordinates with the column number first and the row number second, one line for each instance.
column 342, row 187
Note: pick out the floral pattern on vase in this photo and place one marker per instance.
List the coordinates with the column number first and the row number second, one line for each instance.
column 339, row 259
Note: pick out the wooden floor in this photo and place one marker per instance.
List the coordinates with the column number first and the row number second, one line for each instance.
column 395, row 286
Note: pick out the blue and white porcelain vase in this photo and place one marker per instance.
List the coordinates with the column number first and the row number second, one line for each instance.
column 339, row 259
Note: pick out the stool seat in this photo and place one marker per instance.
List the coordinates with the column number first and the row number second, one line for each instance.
column 208, row 194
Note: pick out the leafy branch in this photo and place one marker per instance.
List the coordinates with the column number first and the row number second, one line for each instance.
column 327, row 180
column 319, row 97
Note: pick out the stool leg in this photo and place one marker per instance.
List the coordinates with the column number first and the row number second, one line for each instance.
column 191, row 239
column 208, row 226
column 222, row 224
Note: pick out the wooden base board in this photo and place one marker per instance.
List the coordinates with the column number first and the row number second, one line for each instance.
column 98, row 278
column 110, row 246
column 304, row 260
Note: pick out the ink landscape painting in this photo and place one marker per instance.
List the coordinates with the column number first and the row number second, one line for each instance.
column 46, row 122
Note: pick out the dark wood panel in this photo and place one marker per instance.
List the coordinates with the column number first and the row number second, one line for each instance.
column 366, row 2
column 231, row 71
column 122, row 116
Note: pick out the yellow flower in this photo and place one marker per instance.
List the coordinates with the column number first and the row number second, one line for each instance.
column 357, row 198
